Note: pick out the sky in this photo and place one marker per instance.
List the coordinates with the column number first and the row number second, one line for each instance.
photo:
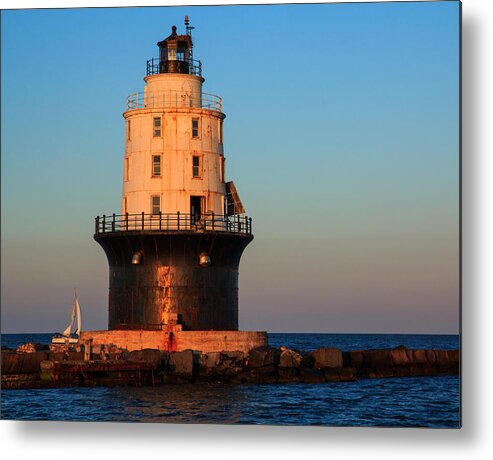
column 342, row 137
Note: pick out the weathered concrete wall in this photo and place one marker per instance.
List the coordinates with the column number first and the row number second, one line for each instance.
column 216, row 341
column 130, row 340
column 205, row 341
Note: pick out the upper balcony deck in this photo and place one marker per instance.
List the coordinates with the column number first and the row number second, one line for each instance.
column 173, row 99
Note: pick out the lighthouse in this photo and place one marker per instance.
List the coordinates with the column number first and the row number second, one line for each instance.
column 174, row 248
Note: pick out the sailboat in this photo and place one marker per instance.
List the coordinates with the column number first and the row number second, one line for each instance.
column 67, row 336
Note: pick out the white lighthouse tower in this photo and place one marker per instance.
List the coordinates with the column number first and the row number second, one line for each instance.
column 175, row 248
column 174, row 156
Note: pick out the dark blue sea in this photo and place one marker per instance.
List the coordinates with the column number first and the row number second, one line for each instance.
column 432, row 402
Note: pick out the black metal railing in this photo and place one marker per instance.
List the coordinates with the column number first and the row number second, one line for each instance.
column 173, row 222
column 190, row 66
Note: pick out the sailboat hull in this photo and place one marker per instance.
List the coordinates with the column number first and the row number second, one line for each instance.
column 64, row 340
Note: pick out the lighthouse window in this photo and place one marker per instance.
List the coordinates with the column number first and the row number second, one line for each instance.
column 126, row 169
column 196, row 166
column 220, row 131
column 128, row 130
column 157, row 127
column 195, row 127
column 156, row 165
column 222, row 169
column 155, row 204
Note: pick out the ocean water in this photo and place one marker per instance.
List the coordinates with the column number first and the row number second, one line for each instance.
column 432, row 402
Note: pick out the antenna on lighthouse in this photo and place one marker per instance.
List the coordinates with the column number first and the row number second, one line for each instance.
column 188, row 27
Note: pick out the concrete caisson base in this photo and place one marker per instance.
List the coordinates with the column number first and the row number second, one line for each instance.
column 204, row 341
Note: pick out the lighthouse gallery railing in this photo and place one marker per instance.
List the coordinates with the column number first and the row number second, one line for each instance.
column 172, row 222
column 173, row 99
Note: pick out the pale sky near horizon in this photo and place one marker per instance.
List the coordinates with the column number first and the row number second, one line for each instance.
column 342, row 137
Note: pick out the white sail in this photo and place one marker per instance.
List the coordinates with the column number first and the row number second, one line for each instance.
column 79, row 318
column 66, row 332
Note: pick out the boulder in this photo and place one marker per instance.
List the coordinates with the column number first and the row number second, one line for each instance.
column 356, row 358
column 244, row 376
column 307, row 361
column 181, row 363
column 232, row 358
column 399, row 356
column 347, row 374
column 418, row 357
column 431, row 356
column 32, row 347
column 290, row 358
column 263, row 356
column 311, row 376
column 230, row 363
column 378, row 359
column 147, row 355
column 210, row 360
column 385, row 372
column 417, row 370
column 208, row 363
column 265, row 374
column 427, row 369
column 442, row 358
column 454, row 357
column 11, row 362
column 288, row 374
column 367, row 373
column 332, row 375
column 327, row 357
column 402, row 371
column 31, row 362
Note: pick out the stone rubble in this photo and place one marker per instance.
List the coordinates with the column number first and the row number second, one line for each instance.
column 264, row 364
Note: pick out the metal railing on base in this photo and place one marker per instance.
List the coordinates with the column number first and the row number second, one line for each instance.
column 173, row 222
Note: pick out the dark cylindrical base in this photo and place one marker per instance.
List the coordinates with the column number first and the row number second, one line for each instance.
column 169, row 286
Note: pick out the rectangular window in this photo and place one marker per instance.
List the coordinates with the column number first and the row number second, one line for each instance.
column 222, row 169
column 124, row 205
column 220, row 133
column 156, row 165
column 195, row 127
column 128, row 130
column 156, row 127
column 225, row 207
column 155, row 204
column 196, row 166
column 126, row 165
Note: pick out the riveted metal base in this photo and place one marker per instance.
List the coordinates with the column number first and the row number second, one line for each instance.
column 169, row 286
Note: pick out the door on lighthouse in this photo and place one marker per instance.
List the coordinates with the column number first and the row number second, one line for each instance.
column 195, row 209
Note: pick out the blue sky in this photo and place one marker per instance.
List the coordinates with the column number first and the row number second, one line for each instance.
column 342, row 136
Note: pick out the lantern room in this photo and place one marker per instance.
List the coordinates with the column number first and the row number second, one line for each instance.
column 175, row 52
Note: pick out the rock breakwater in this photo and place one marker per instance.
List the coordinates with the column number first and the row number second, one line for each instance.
column 35, row 366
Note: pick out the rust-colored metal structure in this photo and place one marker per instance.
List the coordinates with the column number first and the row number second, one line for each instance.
column 186, row 275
